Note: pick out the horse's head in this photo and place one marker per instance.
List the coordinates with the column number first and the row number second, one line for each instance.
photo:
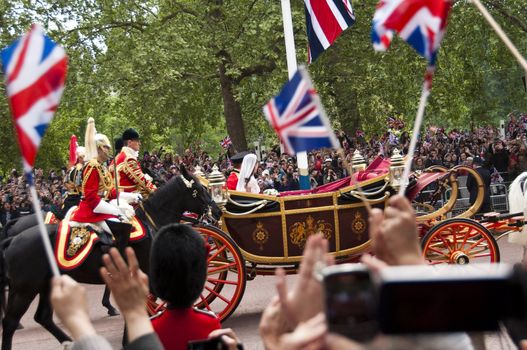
column 204, row 204
column 180, row 194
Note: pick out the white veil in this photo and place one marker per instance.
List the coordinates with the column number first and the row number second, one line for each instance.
column 246, row 180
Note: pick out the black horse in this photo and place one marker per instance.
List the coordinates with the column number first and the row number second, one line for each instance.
column 24, row 267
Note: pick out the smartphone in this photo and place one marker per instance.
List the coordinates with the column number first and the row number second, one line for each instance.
column 350, row 301
column 448, row 298
column 210, row 344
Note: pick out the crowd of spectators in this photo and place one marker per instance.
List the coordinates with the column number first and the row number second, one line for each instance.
column 504, row 153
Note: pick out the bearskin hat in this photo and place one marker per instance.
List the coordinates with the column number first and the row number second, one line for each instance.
column 118, row 144
column 130, row 134
column 178, row 265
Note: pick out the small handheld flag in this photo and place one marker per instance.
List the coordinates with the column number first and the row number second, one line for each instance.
column 298, row 117
column 35, row 71
column 421, row 23
column 226, row 142
column 325, row 21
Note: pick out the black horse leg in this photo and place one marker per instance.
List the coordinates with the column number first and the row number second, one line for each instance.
column 44, row 316
column 17, row 306
column 107, row 304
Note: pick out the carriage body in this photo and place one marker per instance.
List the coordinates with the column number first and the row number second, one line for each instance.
column 276, row 232
column 260, row 232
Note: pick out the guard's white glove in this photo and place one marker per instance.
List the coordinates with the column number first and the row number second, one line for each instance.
column 126, row 211
column 107, row 208
column 148, row 178
column 130, row 197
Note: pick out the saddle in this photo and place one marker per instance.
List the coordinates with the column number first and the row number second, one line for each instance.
column 74, row 243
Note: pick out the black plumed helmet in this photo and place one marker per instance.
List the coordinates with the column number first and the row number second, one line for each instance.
column 130, row 134
column 178, row 265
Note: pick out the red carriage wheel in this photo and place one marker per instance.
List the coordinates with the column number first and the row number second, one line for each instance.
column 459, row 241
column 226, row 276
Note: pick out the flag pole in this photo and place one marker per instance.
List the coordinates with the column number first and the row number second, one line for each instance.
column 42, row 226
column 301, row 157
column 497, row 28
column 425, row 92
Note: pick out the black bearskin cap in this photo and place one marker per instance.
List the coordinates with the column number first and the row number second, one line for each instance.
column 238, row 157
column 118, row 143
column 130, row 134
column 178, row 265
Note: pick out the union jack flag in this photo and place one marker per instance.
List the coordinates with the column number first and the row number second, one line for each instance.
column 35, row 71
column 325, row 20
column 226, row 142
column 298, row 117
column 421, row 23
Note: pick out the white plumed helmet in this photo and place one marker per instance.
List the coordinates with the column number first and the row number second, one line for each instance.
column 92, row 140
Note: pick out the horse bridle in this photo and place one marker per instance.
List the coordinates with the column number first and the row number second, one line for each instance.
column 206, row 214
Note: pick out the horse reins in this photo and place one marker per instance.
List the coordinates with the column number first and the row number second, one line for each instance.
column 148, row 217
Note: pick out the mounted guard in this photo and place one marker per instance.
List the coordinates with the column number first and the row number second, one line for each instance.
column 95, row 211
column 130, row 176
column 73, row 184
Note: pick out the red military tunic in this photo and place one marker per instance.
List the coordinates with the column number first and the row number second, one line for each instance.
column 232, row 180
column 176, row 327
column 130, row 175
column 97, row 185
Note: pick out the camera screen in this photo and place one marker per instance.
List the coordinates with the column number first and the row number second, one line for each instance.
column 350, row 304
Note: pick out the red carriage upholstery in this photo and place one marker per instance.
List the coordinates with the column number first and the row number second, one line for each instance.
column 380, row 166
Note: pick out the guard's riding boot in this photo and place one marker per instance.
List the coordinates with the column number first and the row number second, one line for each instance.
column 121, row 232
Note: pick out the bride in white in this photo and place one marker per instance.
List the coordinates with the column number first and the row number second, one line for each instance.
column 246, row 180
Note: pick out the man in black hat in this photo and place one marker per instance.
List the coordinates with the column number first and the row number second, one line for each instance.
column 236, row 160
column 472, row 185
column 130, row 176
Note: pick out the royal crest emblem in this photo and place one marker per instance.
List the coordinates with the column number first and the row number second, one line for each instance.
column 260, row 235
column 358, row 225
column 300, row 231
column 78, row 238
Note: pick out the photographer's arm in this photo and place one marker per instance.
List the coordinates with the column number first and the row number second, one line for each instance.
column 129, row 286
column 394, row 235
column 303, row 302
column 68, row 299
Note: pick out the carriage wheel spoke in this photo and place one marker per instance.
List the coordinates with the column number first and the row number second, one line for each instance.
column 216, row 253
column 205, row 302
column 438, row 252
column 481, row 255
column 436, row 262
column 445, row 242
column 218, row 295
column 475, row 244
column 217, row 281
column 224, row 267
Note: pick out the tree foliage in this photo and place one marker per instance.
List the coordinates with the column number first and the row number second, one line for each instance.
column 191, row 71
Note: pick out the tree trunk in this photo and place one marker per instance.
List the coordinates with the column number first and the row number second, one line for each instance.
column 232, row 111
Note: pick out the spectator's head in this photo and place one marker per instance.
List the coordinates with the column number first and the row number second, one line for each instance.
column 178, row 265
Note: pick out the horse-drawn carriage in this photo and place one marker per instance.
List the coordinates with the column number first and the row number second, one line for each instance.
column 259, row 232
